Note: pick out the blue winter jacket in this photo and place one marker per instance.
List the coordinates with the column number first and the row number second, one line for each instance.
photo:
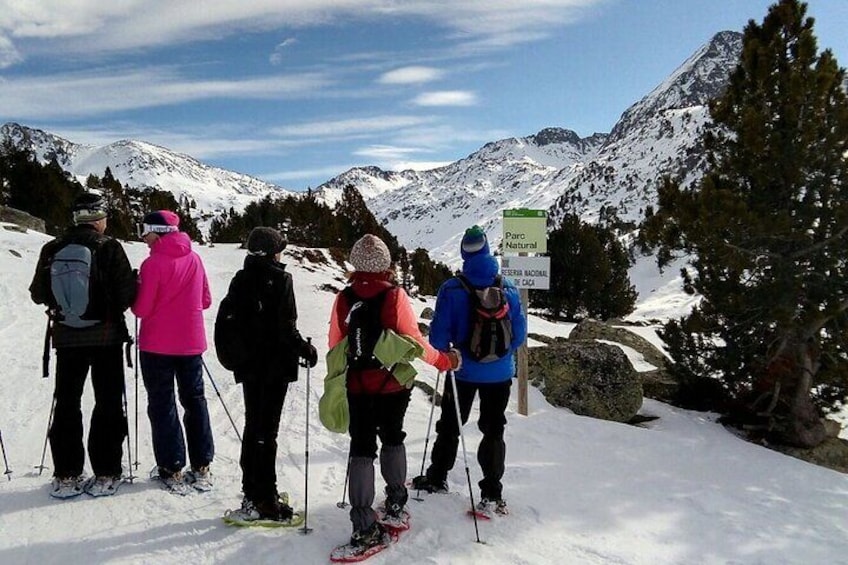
column 451, row 321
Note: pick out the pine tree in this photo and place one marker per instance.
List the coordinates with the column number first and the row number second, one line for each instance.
column 589, row 267
column 122, row 220
column 768, row 232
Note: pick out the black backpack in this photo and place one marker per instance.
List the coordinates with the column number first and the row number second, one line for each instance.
column 236, row 329
column 72, row 281
column 490, row 327
column 364, row 326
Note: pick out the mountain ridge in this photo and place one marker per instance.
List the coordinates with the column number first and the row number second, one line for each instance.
column 553, row 169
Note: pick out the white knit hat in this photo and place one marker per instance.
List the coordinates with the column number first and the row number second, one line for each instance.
column 370, row 255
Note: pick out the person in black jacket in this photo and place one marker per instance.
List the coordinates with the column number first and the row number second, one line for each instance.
column 91, row 341
column 264, row 288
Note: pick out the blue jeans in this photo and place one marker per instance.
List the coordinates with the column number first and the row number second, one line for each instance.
column 169, row 447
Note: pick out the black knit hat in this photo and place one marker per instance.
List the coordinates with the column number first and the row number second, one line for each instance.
column 265, row 241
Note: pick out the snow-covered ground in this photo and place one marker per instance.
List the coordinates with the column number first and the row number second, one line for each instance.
column 680, row 490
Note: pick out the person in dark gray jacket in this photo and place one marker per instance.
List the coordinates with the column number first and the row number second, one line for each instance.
column 87, row 337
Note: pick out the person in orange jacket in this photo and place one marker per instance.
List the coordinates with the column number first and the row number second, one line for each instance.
column 377, row 401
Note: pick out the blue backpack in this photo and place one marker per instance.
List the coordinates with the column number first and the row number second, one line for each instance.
column 70, row 280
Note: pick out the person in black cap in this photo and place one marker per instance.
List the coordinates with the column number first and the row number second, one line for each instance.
column 262, row 294
column 85, row 280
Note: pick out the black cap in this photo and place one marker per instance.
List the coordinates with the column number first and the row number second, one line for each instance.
column 265, row 241
column 89, row 207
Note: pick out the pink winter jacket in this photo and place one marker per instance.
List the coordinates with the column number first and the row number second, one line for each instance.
column 173, row 292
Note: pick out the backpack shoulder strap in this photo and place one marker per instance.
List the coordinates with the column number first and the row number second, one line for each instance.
column 350, row 294
column 466, row 284
column 470, row 289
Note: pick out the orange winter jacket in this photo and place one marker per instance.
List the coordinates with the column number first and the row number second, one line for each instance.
column 397, row 315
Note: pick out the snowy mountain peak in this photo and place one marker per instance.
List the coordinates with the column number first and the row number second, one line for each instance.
column 46, row 146
column 700, row 78
column 370, row 181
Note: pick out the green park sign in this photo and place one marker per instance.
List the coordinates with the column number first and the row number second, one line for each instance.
column 525, row 231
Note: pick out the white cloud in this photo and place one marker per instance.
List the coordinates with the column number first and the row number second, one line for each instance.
column 110, row 90
column 98, row 26
column 446, row 98
column 410, row 75
column 349, row 127
column 300, row 174
column 9, row 55
column 277, row 56
column 396, row 158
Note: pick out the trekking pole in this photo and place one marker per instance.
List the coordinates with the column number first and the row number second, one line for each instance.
column 429, row 427
column 130, row 476
column 211, row 380
column 47, row 435
column 45, row 359
column 343, row 502
column 7, row 472
column 306, row 529
column 464, row 455
column 136, row 394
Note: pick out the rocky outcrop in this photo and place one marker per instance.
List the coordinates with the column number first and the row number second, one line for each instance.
column 593, row 329
column 587, row 377
column 22, row 219
column 658, row 383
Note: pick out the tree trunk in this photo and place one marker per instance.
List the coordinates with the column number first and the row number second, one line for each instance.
column 803, row 426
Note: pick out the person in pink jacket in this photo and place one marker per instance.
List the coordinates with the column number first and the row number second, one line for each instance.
column 173, row 291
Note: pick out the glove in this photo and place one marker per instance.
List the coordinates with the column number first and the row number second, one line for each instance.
column 309, row 354
column 455, row 359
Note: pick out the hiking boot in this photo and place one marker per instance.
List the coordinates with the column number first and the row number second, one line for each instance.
column 173, row 481
column 104, row 485
column 246, row 513
column 67, row 487
column 393, row 516
column 370, row 537
column 393, row 509
column 274, row 510
column 433, row 486
column 492, row 507
column 200, row 478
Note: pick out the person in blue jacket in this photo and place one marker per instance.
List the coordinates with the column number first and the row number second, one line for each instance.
column 491, row 380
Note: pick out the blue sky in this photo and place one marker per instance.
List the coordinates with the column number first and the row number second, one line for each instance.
column 298, row 91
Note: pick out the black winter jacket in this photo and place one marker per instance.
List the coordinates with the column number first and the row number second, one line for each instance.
column 277, row 344
column 113, row 289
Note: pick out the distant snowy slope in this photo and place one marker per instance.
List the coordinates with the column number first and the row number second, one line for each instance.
column 138, row 164
column 433, row 210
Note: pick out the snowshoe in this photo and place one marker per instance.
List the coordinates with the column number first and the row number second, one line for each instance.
column 67, row 487
column 200, row 479
column 363, row 545
column 274, row 515
column 105, row 485
column 488, row 508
